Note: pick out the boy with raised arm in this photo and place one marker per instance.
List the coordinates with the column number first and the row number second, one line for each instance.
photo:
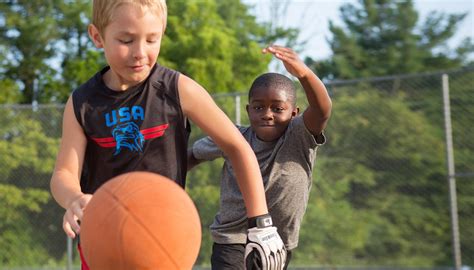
column 285, row 143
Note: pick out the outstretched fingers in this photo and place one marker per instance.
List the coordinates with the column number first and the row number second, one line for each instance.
column 280, row 52
column 290, row 59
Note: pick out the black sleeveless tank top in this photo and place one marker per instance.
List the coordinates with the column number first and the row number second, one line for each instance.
column 140, row 129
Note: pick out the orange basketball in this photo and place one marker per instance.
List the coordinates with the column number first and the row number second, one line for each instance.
column 140, row 220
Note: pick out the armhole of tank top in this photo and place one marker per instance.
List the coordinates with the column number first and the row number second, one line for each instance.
column 186, row 123
column 76, row 108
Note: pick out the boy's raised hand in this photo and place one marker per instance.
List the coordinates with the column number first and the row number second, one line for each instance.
column 293, row 64
column 317, row 114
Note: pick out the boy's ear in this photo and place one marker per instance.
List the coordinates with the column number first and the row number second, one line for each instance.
column 295, row 112
column 94, row 34
column 247, row 108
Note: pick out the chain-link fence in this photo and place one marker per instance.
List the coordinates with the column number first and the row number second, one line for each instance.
column 381, row 195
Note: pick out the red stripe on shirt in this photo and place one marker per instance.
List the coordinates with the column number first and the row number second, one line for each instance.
column 148, row 133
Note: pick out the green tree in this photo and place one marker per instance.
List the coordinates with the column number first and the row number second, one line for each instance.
column 214, row 42
column 332, row 229
column 17, row 243
column 462, row 115
column 80, row 60
column 382, row 37
column 49, row 51
column 10, row 91
column 383, row 196
column 217, row 43
column 27, row 225
column 28, row 32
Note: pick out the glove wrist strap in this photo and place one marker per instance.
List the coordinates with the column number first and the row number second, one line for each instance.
column 261, row 221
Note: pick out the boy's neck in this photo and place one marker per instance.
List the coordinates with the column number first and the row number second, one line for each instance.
column 115, row 83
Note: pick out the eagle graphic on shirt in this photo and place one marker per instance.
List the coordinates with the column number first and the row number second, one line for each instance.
column 126, row 134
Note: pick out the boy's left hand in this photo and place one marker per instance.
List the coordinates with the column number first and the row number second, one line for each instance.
column 293, row 64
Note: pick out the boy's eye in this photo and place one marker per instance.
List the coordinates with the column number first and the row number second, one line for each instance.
column 278, row 109
column 125, row 41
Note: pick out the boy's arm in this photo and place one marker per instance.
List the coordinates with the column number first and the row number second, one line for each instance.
column 202, row 150
column 318, row 112
column 192, row 160
column 65, row 183
column 198, row 105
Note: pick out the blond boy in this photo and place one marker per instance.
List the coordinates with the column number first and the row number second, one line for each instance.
column 133, row 116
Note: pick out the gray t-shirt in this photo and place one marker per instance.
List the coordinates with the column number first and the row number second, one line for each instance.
column 286, row 166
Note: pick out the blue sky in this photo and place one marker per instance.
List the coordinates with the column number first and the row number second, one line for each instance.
column 311, row 17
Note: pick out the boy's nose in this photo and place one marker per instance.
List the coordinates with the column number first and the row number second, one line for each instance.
column 267, row 114
column 139, row 51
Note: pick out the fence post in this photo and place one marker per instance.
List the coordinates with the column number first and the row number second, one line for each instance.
column 237, row 109
column 451, row 174
column 69, row 253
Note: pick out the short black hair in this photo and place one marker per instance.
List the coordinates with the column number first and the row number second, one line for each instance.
column 277, row 81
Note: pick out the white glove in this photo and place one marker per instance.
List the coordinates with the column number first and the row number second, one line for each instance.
column 265, row 249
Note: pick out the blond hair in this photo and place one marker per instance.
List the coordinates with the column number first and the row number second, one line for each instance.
column 102, row 10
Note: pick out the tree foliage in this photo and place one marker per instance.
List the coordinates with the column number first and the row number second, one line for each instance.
column 16, row 236
column 29, row 221
column 217, row 43
column 383, row 159
column 214, row 42
column 28, row 33
column 381, row 38
column 385, row 37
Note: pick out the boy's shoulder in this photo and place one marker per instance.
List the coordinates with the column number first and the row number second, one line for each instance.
column 246, row 131
column 298, row 128
column 298, row 134
column 159, row 71
column 243, row 129
column 87, row 88
column 164, row 76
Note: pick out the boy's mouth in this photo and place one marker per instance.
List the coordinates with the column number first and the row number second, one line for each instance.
column 138, row 68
